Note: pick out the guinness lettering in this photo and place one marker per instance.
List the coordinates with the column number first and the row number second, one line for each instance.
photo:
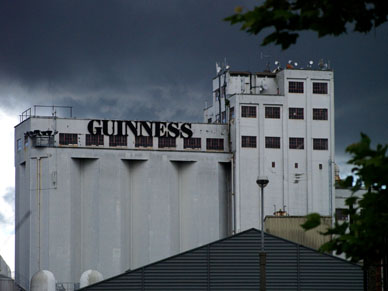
column 140, row 128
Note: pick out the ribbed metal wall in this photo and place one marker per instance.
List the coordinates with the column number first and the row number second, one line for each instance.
column 233, row 264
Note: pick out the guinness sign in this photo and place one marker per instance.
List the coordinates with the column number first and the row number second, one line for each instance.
column 140, row 128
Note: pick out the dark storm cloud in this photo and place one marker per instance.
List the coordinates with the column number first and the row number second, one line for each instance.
column 155, row 60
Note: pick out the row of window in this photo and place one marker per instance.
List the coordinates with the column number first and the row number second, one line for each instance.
column 142, row 141
column 298, row 87
column 273, row 142
column 296, row 165
column 293, row 112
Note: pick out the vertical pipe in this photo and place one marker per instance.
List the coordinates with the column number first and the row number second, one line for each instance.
column 262, row 218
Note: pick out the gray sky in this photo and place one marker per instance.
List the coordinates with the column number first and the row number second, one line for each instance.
column 155, row 60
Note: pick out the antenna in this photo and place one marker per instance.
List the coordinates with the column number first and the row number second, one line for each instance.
column 218, row 68
column 321, row 64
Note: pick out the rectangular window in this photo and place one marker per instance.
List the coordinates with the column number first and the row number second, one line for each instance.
column 319, row 88
column 272, row 142
column 166, row 142
column 320, row 166
column 231, row 113
column 192, row 143
column 223, row 117
column 209, row 120
column 68, row 138
column 117, row 140
column 272, row 112
column 295, row 113
column 320, row 144
column 214, row 143
column 295, row 87
column 273, row 164
column 217, row 94
column 143, row 141
column 94, row 139
column 296, row 143
column 19, row 144
column 248, row 111
column 319, row 114
column 340, row 214
column 248, row 141
column 296, row 165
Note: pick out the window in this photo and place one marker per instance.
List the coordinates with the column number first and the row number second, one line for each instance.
column 143, row 141
column 340, row 214
column 272, row 142
column 248, row 111
column 320, row 144
column 272, row 112
column 319, row 88
column 117, row 140
column 295, row 87
column 19, row 144
column 217, row 94
column 166, row 142
column 26, row 140
column 192, row 143
column 296, row 143
column 209, row 120
column 273, row 164
column 214, row 143
column 223, row 117
column 231, row 113
column 320, row 166
column 94, row 139
column 296, row 165
column 68, row 138
column 295, row 113
column 248, row 141
column 319, row 113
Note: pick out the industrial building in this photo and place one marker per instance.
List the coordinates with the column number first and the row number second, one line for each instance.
column 233, row 264
column 112, row 195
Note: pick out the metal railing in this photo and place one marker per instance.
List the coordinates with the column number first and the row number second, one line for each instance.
column 44, row 110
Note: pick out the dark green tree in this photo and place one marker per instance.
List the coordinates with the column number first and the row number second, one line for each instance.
column 364, row 236
column 326, row 17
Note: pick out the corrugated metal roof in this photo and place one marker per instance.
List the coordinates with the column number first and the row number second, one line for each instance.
column 233, row 264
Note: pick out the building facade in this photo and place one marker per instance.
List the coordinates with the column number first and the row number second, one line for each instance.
column 281, row 126
column 113, row 195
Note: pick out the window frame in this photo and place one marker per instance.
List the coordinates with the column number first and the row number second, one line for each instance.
column 296, row 143
column 320, row 88
column 68, row 138
column 214, row 144
column 321, row 144
column 94, row 139
column 296, row 113
column 272, row 112
column 248, row 111
column 248, row 141
column 118, row 141
column 272, row 142
column 294, row 87
column 166, row 142
column 320, row 114
column 144, row 141
column 192, row 143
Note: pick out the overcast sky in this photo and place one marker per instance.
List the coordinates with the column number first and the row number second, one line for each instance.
column 155, row 60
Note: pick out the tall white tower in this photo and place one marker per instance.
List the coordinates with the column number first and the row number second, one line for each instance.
column 281, row 126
